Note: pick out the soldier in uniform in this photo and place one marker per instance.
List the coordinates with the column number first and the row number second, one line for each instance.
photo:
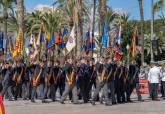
column 101, row 83
column 91, row 77
column 82, row 73
column 133, row 81
column 8, row 83
column 18, row 76
column 118, row 86
column 55, row 80
column 70, row 83
column 111, row 70
column 26, row 83
column 38, row 79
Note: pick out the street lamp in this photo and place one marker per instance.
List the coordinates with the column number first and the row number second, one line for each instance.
column 128, row 52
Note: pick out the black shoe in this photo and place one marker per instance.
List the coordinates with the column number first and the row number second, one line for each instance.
column 33, row 101
column 114, row 103
column 93, row 102
column 108, row 104
column 76, row 103
column 44, row 101
column 62, row 102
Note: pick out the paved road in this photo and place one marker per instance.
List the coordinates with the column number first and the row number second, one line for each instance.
column 26, row 107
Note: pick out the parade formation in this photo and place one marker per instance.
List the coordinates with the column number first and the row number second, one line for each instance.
column 76, row 78
column 80, row 51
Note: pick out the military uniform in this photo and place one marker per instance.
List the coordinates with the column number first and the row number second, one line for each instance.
column 8, row 83
column 111, row 70
column 70, row 83
column 101, row 83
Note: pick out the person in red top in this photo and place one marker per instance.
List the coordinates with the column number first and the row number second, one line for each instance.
column 2, row 107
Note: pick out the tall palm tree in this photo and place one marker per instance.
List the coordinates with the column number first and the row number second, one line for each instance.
column 6, row 4
column 20, row 10
column 102, row 16
column 79, row 27
column 142, row 29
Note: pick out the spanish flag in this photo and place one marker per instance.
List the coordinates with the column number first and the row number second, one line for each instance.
column 2, row 108
column 18, row 46
column 135, row 42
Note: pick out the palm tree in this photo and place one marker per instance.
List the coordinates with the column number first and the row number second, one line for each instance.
column 79, row 27
column 20, row 9
column 142, row 29
column 102, row 16
column 6, row 4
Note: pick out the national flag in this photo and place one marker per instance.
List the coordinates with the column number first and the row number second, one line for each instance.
column 40, row 38
column 105, row 37
column 18, row 46
column 92, row 41
column 6, row 45
column 87, row 42
column 117, row 55
column 71, row 41
column 2, row 107
column 119, row 36
column 1, row 40
column 58, row 38
column 64, row 39
column 135, row 42
column 50, row 43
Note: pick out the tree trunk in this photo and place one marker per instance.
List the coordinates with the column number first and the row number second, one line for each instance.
column 79, row 28
column 93, row 24
column 20, row 9
column 102, row 15
column 5, row 16
column 152, row 29
column 142, row 30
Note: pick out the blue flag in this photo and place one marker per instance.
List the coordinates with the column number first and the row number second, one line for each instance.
column 50, row 43
column 105, row 37
column 1, row 40
column 87, row 41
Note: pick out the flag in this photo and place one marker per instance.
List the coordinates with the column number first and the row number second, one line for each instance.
column 117, row 55
column 18, row 46
column 105, row 37
column 87, row 42
column 6, row 45
column 71, row 41
column 119, row 36
column 40, row 38
column 50, row 43
column 31, row 39
column 1, row 41
column 92, row 41
column 135, row 42
column 58, row 38
column 64, row 39
column 2, row 108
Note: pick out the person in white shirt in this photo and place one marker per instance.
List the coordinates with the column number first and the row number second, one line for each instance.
column 153, row 78
column 163, row 81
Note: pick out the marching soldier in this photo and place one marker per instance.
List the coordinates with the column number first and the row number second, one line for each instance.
column 91, row 77
column 82, row 74
column 101, row 82
column 70, row 83
column 119, row 85
column 38, row 78
column 17, row 77
column 111, row 70
column 56, row 80
column 26, row 83
column 8, row 83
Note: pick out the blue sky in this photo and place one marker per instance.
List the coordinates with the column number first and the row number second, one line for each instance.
column 130, row 6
